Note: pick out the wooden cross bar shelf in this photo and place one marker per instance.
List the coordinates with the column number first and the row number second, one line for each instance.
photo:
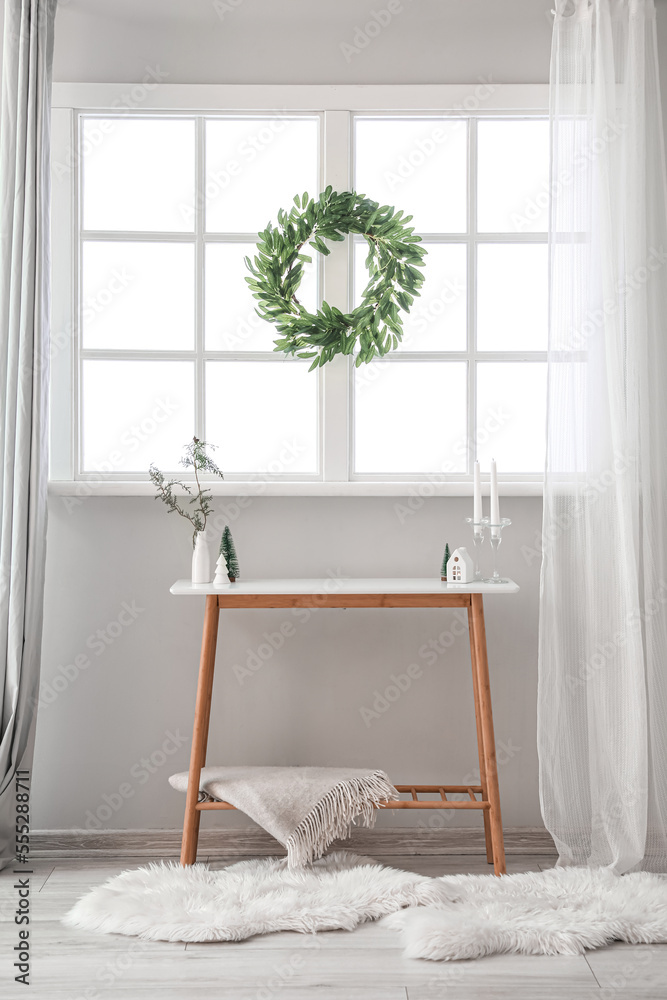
column 359, row 593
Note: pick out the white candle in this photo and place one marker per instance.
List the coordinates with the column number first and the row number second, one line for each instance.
column 477, row 496
column 494, row 511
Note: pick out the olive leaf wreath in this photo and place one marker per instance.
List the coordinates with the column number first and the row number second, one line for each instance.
column 393, row 261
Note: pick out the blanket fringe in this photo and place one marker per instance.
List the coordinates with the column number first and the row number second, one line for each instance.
column 334, row 815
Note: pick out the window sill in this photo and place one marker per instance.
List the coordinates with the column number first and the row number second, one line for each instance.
column 114, row 488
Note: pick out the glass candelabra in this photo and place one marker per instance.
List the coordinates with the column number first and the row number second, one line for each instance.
column 496, row 530
column 477, row 541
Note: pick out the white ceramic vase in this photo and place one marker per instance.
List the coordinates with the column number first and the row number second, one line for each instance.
column 201, row 560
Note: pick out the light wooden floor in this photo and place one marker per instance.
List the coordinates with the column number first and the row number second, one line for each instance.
column 366, row 964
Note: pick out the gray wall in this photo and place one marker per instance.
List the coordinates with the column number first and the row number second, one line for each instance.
column 103, row 749
column 299, row 41
column 113, row 691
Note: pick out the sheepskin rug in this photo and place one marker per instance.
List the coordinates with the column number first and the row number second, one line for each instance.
column 562, row 911
column 558, row 912
column 165, row 902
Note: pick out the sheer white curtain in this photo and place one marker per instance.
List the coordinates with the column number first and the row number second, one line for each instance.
column 602, row 712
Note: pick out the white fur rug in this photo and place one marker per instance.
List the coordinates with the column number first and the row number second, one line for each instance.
column 562, row 911
column 165, row 902
column 559, row 912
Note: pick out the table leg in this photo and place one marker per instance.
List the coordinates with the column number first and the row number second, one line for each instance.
column 200, row 730
column 480, row 740
column 481, row 668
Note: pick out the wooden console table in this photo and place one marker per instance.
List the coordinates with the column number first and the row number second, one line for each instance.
column 361, row 593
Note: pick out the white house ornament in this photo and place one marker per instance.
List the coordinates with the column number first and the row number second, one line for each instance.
column 461, row 567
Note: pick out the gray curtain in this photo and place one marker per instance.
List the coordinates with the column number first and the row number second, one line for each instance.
column 24, row 338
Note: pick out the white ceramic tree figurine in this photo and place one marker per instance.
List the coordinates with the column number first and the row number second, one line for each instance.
column 220, row 572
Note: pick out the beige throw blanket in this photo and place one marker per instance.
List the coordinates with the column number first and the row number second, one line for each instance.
column 305, row 808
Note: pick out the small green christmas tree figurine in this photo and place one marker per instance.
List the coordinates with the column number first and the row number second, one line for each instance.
column 228, row 552
column 445, row 560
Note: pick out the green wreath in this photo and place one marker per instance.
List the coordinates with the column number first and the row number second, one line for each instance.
column 392, row 262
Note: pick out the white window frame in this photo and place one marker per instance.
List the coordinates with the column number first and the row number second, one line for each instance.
column 337, row 107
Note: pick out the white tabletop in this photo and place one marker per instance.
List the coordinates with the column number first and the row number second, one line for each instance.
column 340, row 585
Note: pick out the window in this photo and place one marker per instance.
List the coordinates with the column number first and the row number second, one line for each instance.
column 166, row 204
column 469, row 379
column 170, row 344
